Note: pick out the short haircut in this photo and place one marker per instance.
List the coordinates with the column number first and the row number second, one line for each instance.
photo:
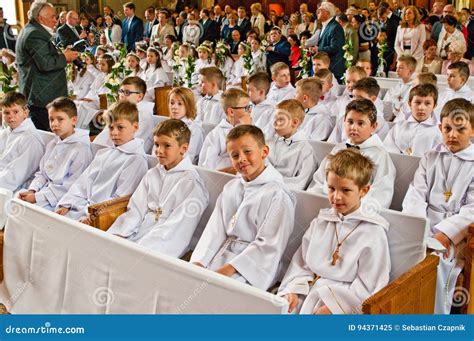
column 11, row 98
column 462, row 68
column 261, row 81
column 293, row 107
column 187, row 96
column 213, row 74
column 311, row 87
column 428, row 43
column 351, row 164
column 278, row 67
column 408, row 60
column 359, row 70
column 174, row 128
column 65, row 105
column 231, row 97
column 323, row 56
column 247, row 129
column 424, row 90
column 130, row 5
column 324, row 75
column 363, row 106
column 427, row 78
column 137, row 82
column 449, row 19
column 458, row 109
column 205, row 11
column 121, row 110
column 369, row 85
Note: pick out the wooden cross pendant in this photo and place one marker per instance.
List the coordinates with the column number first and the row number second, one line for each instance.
column 158, row 213
column 447, row 195
column 335, row 256
column 408, row 151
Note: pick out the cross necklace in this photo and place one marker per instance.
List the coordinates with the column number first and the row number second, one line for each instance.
column 335, row 255
column 447, row 189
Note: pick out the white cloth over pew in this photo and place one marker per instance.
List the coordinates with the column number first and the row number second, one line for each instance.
column 55, row 265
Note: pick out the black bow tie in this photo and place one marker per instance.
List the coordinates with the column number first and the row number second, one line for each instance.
column 348, row 145
column 306, row 110
column 208, row 97
column 288, row 142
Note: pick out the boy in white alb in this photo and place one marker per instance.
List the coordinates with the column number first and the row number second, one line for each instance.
column 353, row 74
column 443, row 191
column 328, row 94
column 263, row 109
column 168, row 204
column 66, row 157
column 115, row 171
column 281, row 87
column 290, row 152
column 360, row 124
column 458, row 75
column 318, row 122
column 132, row 90
column 419, row 133
column 366, row 88
column 398, row 95
column 344, row 255
column 209, row 107
column 214, row 154
column 21, row 147
column 252, row 222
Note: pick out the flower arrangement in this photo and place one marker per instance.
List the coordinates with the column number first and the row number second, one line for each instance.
column 118, row 73
column 247, row 58
column 69, row 78
column 189, row 68
column 382, row 45
column 348, row 53
column 220, row 51
column 7, row 79
column 305, row 63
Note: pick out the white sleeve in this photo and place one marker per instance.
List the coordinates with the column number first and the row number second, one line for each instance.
column 382, row 187
column 174, row 235
column 130, row 176
column 372, row 275
column 258, row 263
column 306, row 166
column 318, row 184
column 416, row 198
column 23, row 165
column 54, row 192
column 212, row 238
column 390, row 143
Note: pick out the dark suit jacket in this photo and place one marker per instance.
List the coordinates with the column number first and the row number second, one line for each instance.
column 7, row 39
column 67, row 36
column 148, row 29
column 210, row 31
column 244, row 27
column 133, row 34
column 178, row 30
column 41, row 68
column 281, row 53
column 470, row 39
column 331, row 41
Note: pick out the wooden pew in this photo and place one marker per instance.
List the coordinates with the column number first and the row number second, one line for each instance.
column 161, row 100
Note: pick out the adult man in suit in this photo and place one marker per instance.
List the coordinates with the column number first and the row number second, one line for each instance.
column 389, row 23
column 218, row 16
column 41, row 67
column 132, row 27
column 243, row 23
column 150, row 22
column 330, row 39
column 7, row 39
column 470, row 38
column 68, row 34
column 209, row 27
column 180, row 24
column 279, row 50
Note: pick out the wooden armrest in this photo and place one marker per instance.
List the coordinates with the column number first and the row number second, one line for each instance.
column 468, row 271
column 412, row 293
column 104, row 214
column 229, row 170
column 103, row 101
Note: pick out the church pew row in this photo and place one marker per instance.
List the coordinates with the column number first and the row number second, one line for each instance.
column 405, row 166
column 442, row 79
column 58, row 266
column 407, row 247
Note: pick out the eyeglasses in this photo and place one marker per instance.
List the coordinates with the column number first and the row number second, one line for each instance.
column 247, row 108
column 127, row 93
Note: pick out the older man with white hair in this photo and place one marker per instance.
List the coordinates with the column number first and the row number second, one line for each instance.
column 41, row 66
column 330, row 38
